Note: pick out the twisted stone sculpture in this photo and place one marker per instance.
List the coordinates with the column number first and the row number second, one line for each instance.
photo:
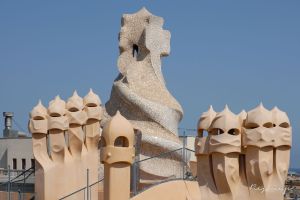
column 140, row 94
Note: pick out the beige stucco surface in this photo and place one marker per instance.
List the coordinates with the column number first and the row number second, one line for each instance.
column 173, row 190
column 65, row 140
column 244, row 156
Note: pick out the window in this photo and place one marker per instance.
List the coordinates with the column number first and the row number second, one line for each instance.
column 121, row 141
column 135, row 50
column 234, row 131
column 23, row 163
column 14, row 163
column 32, row 163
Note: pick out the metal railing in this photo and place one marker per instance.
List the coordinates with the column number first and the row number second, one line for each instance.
column 17, row 181
column 183, row 174
column 86, row 191
column 180, row 155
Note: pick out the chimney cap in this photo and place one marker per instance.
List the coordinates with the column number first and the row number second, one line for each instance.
column 8, row 114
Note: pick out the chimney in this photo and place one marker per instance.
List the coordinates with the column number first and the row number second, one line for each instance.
column 8, row 131
column 8, row 120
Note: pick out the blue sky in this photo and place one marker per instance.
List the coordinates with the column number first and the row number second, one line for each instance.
column 222, row 52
